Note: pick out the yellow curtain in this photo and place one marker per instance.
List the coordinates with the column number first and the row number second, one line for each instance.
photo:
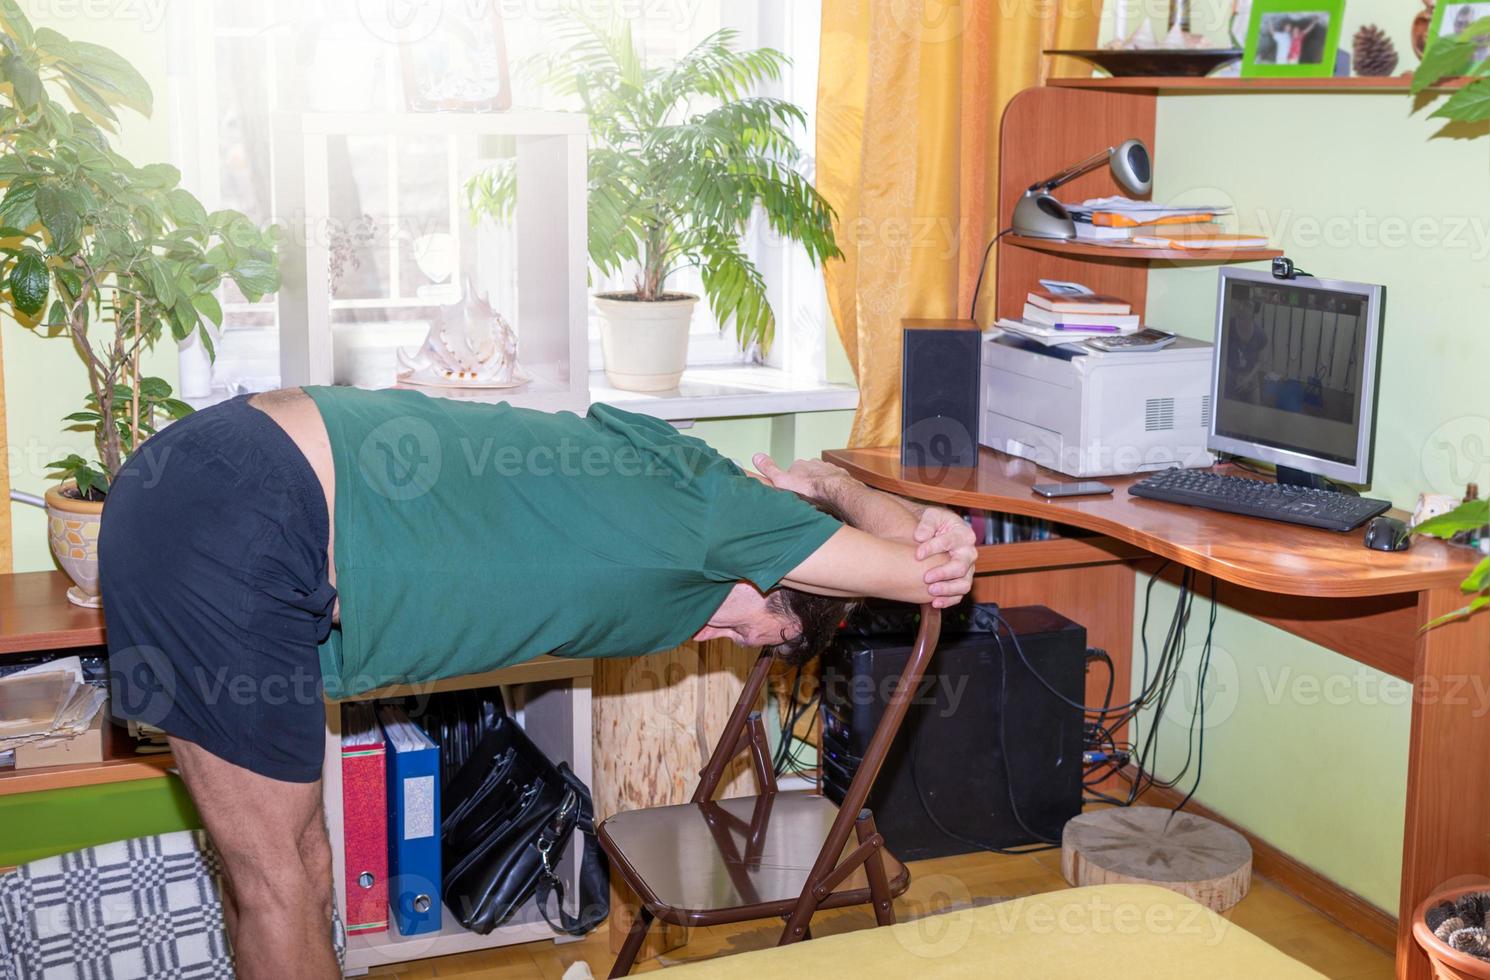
column 5, row 544
column 910, row 93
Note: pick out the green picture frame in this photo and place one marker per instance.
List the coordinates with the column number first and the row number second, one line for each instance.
column 1464, row 13
column 1284, row 37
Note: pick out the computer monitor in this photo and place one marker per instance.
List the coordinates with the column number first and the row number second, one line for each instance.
column 1293, row 376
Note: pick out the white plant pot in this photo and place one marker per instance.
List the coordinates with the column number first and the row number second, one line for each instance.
column 645, row 344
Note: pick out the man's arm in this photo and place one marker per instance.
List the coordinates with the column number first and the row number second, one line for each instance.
column 854, row 563
column 933, row 530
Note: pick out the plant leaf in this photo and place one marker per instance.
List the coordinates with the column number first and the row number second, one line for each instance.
column 1466, row 517
column 185, row 208
column 1445, row 57
column 17, row 22
column 1475, row 606
column 26, row 82
column 112, row 71
column 1470, row 104
column 57, row 215
column 29, row 282
column 209, row 307
column 1479, row 579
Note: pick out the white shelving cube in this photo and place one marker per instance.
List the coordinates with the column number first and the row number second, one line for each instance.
column 550, row 698
column 551, row 245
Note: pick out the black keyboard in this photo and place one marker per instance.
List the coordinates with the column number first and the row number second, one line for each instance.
column 1328, row 509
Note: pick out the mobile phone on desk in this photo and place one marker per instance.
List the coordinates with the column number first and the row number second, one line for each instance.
column 1085, row 488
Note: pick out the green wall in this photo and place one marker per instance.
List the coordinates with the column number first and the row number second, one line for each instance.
column 1305, row 747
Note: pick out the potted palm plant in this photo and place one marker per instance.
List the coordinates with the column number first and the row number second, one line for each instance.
column 680, row 159
column 104, row 254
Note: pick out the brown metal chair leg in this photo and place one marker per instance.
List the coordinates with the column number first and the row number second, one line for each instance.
column 626, row 959
column 874, row 870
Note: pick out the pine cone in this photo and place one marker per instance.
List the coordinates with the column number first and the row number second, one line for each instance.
column 1374, row 53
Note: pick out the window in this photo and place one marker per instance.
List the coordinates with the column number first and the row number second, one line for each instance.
column 396, row 253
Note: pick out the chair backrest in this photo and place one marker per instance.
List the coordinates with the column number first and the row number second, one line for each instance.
column 879, row 744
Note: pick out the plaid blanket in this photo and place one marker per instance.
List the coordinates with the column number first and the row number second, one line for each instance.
column 144, row 908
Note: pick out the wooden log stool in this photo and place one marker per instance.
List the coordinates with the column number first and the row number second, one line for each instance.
column 1146, row 845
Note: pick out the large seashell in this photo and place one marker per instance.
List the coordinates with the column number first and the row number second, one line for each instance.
column 467, row 343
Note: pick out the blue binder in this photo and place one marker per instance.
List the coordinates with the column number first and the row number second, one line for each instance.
column 413, row 824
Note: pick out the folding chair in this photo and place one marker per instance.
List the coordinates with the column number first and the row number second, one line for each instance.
column 775, row 854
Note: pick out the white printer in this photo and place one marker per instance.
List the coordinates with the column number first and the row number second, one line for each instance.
column 1085, row 412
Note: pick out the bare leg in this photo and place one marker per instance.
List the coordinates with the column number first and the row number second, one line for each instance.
column 271, row 836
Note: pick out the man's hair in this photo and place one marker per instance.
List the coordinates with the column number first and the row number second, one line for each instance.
column 817, row 616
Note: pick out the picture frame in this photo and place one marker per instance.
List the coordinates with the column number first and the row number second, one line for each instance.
column 1451, row 17
column 459, row 63
column 1292, row 38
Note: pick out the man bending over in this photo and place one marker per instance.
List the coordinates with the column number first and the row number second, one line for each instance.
column 259, row 552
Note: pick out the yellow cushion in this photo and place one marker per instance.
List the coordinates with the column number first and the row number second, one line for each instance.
column 1136, row 931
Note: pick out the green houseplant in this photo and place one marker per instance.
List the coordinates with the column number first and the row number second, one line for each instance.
column 681, row 156
column 105, row 254
column 1460, row 55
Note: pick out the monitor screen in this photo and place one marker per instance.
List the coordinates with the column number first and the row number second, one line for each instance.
column 1292, row 371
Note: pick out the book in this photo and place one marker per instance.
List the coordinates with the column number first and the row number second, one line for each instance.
column 1061, row 320
column 414, row 875
column 1062, row 302
column 1122, row 211
column 1087, row 232
column 1200, row 242
column 364, row 802
column 1105, row 233
column 1049, row 336
column 1115, row 219
column 1143, row 340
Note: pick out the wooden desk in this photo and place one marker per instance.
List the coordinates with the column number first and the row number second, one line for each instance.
column 1322, row 586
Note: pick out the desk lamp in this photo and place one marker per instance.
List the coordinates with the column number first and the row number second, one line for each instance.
column 1039, row 215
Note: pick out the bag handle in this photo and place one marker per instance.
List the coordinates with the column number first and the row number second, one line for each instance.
column 577, row 813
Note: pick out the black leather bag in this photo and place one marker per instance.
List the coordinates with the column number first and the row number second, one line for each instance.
column 508, row 815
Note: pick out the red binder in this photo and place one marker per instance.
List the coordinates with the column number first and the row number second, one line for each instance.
column 364, row 799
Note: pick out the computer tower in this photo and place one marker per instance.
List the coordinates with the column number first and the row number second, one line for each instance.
column 987, row 755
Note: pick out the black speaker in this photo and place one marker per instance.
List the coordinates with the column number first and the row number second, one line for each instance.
column 987, row 755
column 939, row 397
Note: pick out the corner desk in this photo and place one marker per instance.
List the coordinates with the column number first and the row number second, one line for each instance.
column 1319, row 585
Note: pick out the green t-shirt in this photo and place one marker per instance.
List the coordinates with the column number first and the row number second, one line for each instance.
column 470, row 536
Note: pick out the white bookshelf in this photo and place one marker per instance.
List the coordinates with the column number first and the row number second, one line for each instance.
column 551, row 259
column 550, row 699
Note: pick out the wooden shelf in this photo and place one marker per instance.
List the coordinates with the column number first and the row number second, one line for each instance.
column 1398, row 84
column 35, row 615
column 1054, row 553
column 120, row 764
column 1130, row 253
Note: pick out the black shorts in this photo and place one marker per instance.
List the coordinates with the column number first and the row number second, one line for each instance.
column 213, row 573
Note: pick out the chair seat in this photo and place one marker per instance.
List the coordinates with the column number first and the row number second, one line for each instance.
column 698, row 864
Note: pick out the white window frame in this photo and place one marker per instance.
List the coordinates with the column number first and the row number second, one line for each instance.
column 794, row 285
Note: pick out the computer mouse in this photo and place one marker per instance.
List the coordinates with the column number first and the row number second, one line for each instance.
column 1388, row 534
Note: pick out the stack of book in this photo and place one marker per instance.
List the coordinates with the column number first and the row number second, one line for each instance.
column 1120, row 222
column 1062, row 316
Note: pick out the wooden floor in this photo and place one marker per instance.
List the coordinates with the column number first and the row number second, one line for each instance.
column 1288, row 924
